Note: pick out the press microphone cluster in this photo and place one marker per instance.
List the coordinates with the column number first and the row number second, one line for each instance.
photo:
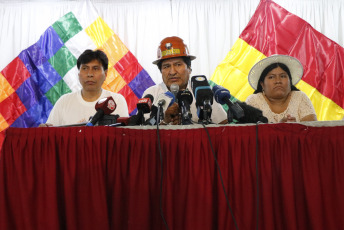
column 145, row 105
column 203, row 94
column 104, row 106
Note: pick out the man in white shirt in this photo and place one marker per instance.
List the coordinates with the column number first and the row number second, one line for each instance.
column 77, row 107
column 174, row 63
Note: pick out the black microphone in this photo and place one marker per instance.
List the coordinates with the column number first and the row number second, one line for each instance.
column 185, row 99
column 153, row 116
column 222, row 96
column 108, row 120
column 252, row 114
column 143, row 106
column 204, row 97
column 104, row 106
column 145, row 103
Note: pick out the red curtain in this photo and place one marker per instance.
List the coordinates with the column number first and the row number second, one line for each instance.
column 109, row 178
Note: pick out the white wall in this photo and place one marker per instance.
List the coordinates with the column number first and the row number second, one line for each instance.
column 209, row 27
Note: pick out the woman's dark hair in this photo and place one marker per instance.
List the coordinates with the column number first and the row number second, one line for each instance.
column 90, row 55
column 187, row 61
column 267, row 70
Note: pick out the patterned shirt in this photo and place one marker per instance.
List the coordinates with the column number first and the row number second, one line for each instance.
column 299, row 106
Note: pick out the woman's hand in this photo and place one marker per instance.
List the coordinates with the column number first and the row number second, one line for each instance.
column 289, row 118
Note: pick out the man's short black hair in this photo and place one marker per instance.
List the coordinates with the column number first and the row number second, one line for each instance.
column 90, row 55
column 186, row 60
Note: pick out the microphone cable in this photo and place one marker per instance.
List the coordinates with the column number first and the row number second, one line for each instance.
column 220, row 174
column 161, row 173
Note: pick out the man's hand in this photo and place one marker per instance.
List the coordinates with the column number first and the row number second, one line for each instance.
column 172, row 115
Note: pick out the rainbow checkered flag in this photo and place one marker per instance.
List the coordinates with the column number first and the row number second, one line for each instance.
column 274, row 30
column 31, row 84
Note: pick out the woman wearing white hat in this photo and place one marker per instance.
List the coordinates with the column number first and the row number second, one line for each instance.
column 273, row 79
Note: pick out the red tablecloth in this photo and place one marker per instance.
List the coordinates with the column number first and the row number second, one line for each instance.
column 109, row 178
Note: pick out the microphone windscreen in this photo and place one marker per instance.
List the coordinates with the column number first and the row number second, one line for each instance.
column 150, row 97
column 104, row 106
column 174, row 88
column 220, row 93
column 107, row 104
column 144, row 105
column 184, row 96
column 201, row 89
column 165, row 99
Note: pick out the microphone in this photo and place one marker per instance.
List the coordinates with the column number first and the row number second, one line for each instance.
column 185, row 99
column 252, row 114
column 143, row 106
column 124, row 121
column 104, row 106
column 222, row 96
column 153, row 116
column 174, row 88
column 108, row 120
column 145, row 103
column 204, row 97
column 120, row 121
column 164, row 101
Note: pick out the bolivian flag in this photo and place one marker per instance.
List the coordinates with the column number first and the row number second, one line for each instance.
column 274, row 30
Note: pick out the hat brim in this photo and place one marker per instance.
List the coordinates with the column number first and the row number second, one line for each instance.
column 294, row 65
column 166, row 57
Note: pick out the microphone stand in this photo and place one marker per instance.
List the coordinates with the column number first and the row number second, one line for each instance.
column 206, row 112
column 137, row 119
column 186, row 115
column 234, row 111
column 153, row 116
column 160, row 113
column 229, row 116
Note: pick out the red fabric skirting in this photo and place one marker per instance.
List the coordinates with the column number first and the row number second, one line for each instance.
column 109, row 178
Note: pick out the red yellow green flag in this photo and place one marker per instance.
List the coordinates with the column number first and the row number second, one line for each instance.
column 274, row 30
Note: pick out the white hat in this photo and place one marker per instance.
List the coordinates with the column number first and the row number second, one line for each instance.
column 294, row 65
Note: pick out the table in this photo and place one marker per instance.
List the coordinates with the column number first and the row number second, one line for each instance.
column 110, row 177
